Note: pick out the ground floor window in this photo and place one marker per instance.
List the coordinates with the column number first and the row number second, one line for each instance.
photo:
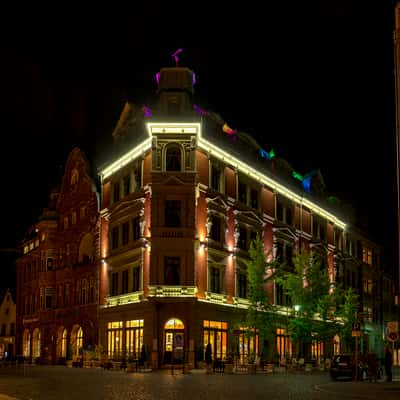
column 317, row 349
column 216, row 333
column 174, row 341
column 247, row 345
column 64, row 343
column 336, row 344
column 26, row 343
column 36, row 343
column 76, row 340
column 284, row 345
column 114, row 339
column 134, row 337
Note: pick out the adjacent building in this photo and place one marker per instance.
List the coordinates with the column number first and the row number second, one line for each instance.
column 7, row 326
column 57, row 273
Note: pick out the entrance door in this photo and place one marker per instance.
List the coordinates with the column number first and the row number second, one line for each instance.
column 174, row 342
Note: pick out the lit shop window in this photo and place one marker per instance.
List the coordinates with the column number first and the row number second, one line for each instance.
column 134, row 337
column 114, row 339
column 215, row 333
column 284, row 345
column 247, row 343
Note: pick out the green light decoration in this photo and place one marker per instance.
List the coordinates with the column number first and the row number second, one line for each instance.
column 297, row 176
column 272, row 153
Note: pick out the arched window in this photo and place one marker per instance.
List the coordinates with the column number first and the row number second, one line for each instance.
column 336, row 344
column 36, row 343
column 76, row 340
column 79, row 339
column 64, row 343
column 26, row 343
column 173, row 158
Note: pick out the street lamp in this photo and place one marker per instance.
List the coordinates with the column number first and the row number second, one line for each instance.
column 296, row 310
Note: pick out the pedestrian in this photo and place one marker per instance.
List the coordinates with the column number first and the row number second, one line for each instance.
column 388, row 364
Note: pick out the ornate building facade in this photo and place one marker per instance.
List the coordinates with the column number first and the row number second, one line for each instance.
column 180, row 205
column 57, row 274
column 159, row 263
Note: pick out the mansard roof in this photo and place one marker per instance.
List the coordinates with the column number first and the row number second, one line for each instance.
column 130, row 132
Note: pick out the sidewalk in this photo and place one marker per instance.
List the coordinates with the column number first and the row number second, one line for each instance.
column 365, row 389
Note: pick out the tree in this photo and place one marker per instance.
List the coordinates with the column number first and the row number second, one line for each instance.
column 308, row 286
column 259, row 315
column 323, row 310
column 347, row 307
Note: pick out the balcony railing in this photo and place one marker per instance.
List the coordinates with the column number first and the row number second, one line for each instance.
column 172, row 291
column 216, row 297
column 241, row 302
column 123, row 299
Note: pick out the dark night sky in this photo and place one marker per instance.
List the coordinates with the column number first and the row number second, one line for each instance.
column 313, row 80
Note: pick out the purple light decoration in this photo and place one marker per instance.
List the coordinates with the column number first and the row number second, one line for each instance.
column 147, row 111
column 200, row 110
column 175, row 55
column 158, row 78
column 193, row 78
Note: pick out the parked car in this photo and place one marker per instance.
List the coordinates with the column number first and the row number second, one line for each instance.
column 342, row 366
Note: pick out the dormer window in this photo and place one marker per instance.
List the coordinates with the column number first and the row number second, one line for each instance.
column 173, row 159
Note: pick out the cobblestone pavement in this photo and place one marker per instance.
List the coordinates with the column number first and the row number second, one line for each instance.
column 48, row 383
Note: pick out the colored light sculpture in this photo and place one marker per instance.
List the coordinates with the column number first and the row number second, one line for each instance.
column 264, row 154
column 147, row 111
column 297, row 176
column 229, row 130
column 175, row 56
column 200, row 110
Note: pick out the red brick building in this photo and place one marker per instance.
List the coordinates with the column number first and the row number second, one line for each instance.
column 161, row 263
column 180, row 205
column 57, row 275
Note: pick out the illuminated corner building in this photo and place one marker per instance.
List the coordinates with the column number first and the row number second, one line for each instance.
column 57, row 272
column 182, row 198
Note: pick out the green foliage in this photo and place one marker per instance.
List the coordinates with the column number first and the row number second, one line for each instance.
column 348, row 305
column 308, row 285
column 259, row 272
